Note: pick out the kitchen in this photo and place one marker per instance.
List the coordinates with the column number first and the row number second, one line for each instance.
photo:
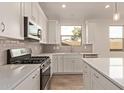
column 55, row 46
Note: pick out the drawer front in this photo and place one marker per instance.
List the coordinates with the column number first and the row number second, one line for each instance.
column 107, row 85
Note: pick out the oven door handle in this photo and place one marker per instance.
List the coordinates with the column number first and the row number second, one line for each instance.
column 45, row 68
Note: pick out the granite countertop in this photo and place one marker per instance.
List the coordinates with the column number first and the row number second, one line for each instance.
column 111, row 68
column 12, row 75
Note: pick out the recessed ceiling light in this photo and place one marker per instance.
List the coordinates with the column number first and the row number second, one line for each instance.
column 107, row 6
column 63, row 6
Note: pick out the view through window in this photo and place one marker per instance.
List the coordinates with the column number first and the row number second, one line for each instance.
column 116, row 38
column 71, row 35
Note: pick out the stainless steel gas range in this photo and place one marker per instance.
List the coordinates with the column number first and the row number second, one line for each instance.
column 23, row 56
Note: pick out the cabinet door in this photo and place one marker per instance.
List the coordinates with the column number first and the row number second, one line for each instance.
column 54, row 64
column 52, row 32
column 87, row 76
column 10, row 20
column 58, row 31
column 68, row 65
column 27, row 9
column 43, row 23
column 87, row 82
column 78, row 65
column 35, row 12
column 96, row 85
column 32, row 82
column 60, row 63
column 104, row 83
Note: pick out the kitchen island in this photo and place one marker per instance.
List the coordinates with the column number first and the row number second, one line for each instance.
column 103, row 73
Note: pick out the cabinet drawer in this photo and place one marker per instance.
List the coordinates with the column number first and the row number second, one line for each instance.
column 107, row 85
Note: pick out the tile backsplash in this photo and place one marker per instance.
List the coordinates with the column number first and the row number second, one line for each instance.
column 67, row 49
column 9, row 44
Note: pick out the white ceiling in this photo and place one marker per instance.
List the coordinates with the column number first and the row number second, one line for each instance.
column 79, row 10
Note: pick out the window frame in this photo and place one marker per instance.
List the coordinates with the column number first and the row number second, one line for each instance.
column 71, row 35
column 118, row 38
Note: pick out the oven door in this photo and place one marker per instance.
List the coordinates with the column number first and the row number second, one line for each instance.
column 45, row 76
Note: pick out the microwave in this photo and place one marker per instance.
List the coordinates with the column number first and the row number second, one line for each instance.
column 31, row 29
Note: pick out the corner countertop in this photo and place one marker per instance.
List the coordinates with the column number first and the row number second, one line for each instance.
column 12, row 75
column 111, row 68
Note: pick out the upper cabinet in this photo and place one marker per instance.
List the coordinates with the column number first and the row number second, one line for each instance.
column 35, row 7
column 53, row 32
column 31, row 10
column 43, row 21
column 34, row 12
column 27, row 10
column 10, row 20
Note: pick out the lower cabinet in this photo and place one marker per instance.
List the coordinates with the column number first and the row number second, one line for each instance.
column 100, row 82
column 93, row 80
column 54, row 64
column 60, row 64
column 67, row 64
column 87, row 77
column 78, row 65
column 32, row 82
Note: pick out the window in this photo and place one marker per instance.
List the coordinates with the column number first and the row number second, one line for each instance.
column 116, row 38
column 71, row 35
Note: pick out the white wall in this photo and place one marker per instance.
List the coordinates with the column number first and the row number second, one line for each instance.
column 117, row 54
column 98, row 35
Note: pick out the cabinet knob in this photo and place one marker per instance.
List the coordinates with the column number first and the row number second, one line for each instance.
column 96, row 76
column 3, row 26
column 34, row 76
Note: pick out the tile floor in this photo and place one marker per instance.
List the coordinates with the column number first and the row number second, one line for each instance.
column 66, row 82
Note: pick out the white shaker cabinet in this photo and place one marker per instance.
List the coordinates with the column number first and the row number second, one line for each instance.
column 31, row 10
column 53, row 32
column 43, row 21
column 54, row 64
column 10, row 20
column 73, row 63
column 87, row 77
column 32, row 82
column 35, row 7
column 78, row 65
column 93, row 80
column 99, row 82
column 27, row 9
column 68, row 65
column 60, row 63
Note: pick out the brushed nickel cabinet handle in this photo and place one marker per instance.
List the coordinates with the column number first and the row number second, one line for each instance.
column 3, row 26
